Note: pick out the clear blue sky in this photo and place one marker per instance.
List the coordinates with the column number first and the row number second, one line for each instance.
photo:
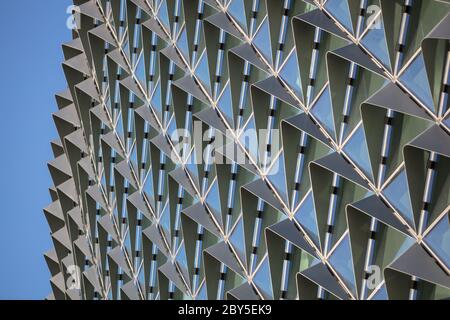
column 31, row 32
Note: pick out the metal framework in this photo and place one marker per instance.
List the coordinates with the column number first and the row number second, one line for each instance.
column 355, row 204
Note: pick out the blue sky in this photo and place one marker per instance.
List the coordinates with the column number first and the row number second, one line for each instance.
column 30, row 62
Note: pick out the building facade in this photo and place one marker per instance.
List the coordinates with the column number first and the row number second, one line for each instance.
column 253, row 149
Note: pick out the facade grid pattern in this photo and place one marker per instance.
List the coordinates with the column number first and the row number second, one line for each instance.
column 346, row 197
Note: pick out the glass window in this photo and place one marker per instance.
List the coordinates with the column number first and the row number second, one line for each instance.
column 339, row 9
column 262, row 278
column 342, row 262
column 439, row 240
column 356, row 149
column 416, row 80
column 291, row 75
column 306, row 216
column 323, row 111
column 375, row 42
column 262, row 41
column 397, row 193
